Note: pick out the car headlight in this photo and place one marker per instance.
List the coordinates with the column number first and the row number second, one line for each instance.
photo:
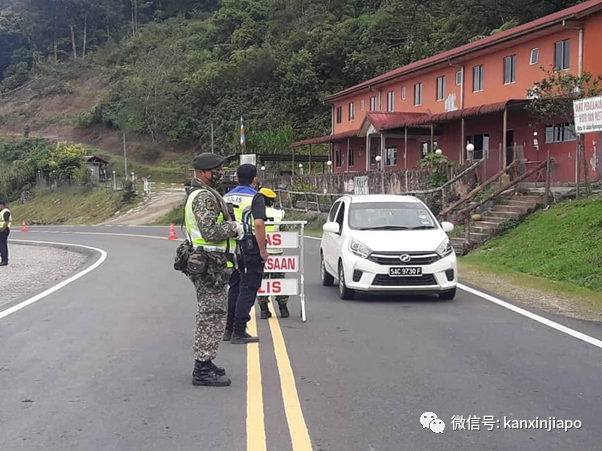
column 359, row 249
column 445, row 248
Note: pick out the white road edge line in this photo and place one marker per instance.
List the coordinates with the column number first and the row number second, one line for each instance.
column 540, row 319
column 64, row 283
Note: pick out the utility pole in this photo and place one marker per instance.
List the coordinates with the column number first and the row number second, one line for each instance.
column 125, row 157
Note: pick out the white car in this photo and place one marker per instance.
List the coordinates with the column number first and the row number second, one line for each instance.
column 387, row 243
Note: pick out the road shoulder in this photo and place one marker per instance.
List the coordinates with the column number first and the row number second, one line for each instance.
column 35, row 267
column 534, row 293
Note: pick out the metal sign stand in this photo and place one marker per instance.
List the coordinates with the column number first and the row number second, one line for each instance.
column 301, row 269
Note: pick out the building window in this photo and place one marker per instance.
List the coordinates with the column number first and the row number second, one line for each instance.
column 559, row 133
column 351, row 158
column 338, row 159
column 403, row 93
column 440, row 88
column 418, row 94
column 534, row 57
column 391, row 156
column 509, row 69
column 339, row 114
column 424, row 149
column 481, row 146
column 362, row 105
column 373, row 103
column 562, row 55
column 351, row 111
column 459, row 78
column 391, row 101
column 478, row 78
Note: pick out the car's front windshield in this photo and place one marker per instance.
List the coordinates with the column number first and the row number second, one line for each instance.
column 390, row 216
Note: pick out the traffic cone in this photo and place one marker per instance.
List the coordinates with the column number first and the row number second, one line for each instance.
column 172, row 232
column 23, row 226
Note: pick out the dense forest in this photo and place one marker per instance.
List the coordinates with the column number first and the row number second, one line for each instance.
column 174, row 67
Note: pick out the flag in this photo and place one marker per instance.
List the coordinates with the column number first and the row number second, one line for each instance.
column 243, row 139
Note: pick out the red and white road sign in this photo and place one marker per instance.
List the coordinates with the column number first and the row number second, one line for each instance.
column 282, row 263
column 279, row 287
column 283, row 240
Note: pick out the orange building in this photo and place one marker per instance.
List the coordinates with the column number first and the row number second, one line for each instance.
column 474, row 94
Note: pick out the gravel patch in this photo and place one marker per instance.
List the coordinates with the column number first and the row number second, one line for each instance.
column 33, row 268
column 549, row 300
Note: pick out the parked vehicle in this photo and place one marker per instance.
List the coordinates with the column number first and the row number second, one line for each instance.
column 387, row 244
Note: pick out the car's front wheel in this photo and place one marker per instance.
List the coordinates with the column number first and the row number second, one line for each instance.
column 448, row 295
column 327, row 278
column 344, row 292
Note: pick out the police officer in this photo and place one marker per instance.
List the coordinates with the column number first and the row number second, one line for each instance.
column 274, row 215
column 210, row 229
column 249, row 210
column 5, row 224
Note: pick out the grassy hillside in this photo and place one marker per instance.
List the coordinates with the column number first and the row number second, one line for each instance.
column 562, row 244
column 68, row 206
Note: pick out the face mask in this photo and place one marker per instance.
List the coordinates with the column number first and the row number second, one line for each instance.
column 216, row 177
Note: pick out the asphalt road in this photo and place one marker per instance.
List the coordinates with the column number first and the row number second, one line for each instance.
column 104, row 364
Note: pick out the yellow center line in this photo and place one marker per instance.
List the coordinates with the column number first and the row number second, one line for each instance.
column 292, row 406
column 256, row 440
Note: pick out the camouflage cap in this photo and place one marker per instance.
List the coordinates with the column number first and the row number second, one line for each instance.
column 207, row 161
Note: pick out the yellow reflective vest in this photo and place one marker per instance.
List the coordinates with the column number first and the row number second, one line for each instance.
column 194, row 233
column 6, row 210
column 274, row 215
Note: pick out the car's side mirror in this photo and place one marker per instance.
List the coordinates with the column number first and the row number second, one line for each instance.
column 447, row 227
column 331, row 227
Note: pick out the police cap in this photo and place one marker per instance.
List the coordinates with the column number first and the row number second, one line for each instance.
column 246, row 173
column 207, row 161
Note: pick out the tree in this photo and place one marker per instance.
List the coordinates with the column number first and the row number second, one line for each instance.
column 552, row 102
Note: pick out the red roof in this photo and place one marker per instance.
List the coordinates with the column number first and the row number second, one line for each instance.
column 575, row 12
column 390, row 121
column 327, row 138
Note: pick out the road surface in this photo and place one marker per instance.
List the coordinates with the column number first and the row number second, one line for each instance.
column 105, row 363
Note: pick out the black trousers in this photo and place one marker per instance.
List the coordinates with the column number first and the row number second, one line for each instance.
column 241, row 299
column 4, row 245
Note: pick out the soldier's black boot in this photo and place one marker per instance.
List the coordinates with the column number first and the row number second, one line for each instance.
column 284, row 313
column 204, row 374
column 265, row 311
column 227, row 334
column 241, row 337
column 218, row 369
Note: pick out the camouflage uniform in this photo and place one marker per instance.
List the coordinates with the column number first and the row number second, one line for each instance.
column 211, row 286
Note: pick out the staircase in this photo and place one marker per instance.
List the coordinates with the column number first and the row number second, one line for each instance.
column 511, row 207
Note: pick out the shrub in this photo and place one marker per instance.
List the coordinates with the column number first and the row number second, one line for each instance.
column 439, row 166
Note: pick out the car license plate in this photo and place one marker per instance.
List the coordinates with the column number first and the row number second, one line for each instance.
column 405, row 271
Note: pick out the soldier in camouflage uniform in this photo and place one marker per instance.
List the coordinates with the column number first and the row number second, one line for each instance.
column 273, row 215
column 211, row 230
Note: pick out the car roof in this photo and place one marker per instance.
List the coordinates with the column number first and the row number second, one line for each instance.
column 373, row 198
